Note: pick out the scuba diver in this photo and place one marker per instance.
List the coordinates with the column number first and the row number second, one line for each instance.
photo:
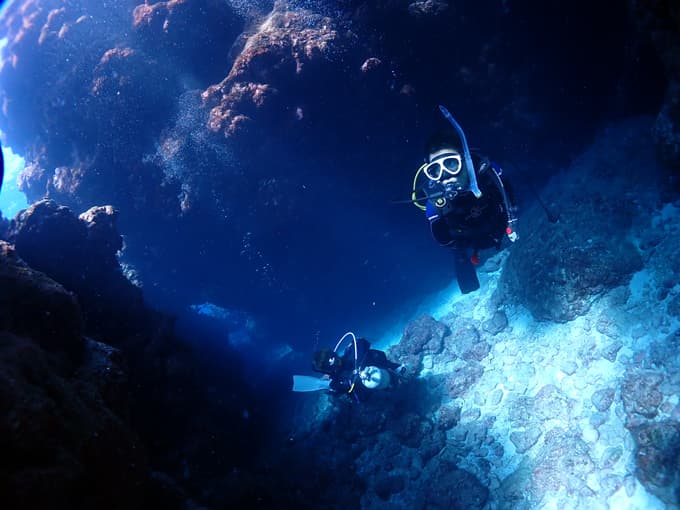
column 468, row 205
column 359, row 371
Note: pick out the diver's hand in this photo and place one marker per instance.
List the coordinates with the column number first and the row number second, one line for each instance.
column 513, row 236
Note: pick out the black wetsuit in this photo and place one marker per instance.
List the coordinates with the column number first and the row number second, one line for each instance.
column 468, row 224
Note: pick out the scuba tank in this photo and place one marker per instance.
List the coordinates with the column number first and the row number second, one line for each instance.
column 374, row 378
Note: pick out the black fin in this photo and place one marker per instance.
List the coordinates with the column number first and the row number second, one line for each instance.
column 466, row 273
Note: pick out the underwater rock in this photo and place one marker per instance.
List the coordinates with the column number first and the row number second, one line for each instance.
column 611, row 456
column 561, row 268
column 290, row 44
column 407, row 428
column 550, row 403
column 598, row 419
column 388, row 484
column 460, row 381
column 665, row 353
column 52, row 47
column 609, row 484
column 464, row 341
column 497, row 323
column 35, row 306
column 102, row 232
column 673, row 306
column 520, row 409
column 81, row 254
column 563, row 461
column 658, row 459
column 104, row 376
column 562, row 287
column 431, row 445
column 663, row 261
column 524, row 440
column 75, row 94
column 422, row 337
column 34, row 180
column 516, row 491
column 608, row 326
column 602, row 399
column 611, row 350
column 640, row 393
column 449, row 416
column 568, row 366
column 182, row 29
column 62, row 447
column 135, row 97
column 45, row 224
column 451, row 487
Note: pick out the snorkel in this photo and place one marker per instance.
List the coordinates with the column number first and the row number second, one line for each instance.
column 354, row 341
column 466, row 152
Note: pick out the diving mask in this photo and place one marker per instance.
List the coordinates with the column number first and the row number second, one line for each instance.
column 451, row 164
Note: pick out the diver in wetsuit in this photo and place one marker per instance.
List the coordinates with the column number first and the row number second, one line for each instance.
column 467, row 203
column 357, row 372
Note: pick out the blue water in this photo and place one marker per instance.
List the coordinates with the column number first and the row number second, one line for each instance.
column 11, row 199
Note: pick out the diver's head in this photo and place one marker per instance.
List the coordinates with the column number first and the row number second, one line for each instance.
column 326, row 361
column 444, row 161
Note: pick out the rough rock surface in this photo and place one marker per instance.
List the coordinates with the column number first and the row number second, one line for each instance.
column 64, row 435
column 62, row 446
column 424, row 336
column 35, row 306
column 658, row 459
column 288, row 47
column 83, row 421
column 557, row 270
column 640, row 393
column 90, row 243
